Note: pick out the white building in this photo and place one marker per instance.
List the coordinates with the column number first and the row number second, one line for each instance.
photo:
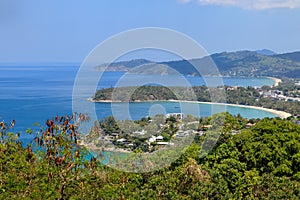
column 176, row 115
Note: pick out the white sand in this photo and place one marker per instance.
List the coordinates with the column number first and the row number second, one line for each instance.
column 276, row 81
column 281, row 114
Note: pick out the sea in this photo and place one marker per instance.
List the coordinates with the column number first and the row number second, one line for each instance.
column 32, row 94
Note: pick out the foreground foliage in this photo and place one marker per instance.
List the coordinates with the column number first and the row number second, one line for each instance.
column 258, row 163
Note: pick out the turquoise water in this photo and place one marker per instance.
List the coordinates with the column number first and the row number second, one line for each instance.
column 138, row 110
column 32, row 94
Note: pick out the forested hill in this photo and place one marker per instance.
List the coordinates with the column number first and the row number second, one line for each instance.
column 240, row 63
column 242, row 96
column 262, row 162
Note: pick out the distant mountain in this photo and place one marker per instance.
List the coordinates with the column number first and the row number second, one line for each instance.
column 294, row 56
column 239, row 63
column 266, row 52
column 132, row 63
column 124, row 65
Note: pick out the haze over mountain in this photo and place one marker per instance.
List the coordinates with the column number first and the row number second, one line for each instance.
column 240, row 63
column 266, row 52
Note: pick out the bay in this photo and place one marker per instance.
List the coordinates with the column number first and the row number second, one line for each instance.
column 31, row 94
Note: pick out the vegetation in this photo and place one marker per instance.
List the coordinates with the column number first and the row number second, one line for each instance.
column 145, row 135
column 240, row 63
column 261, row 162
column 252, row 97
column 238, row 95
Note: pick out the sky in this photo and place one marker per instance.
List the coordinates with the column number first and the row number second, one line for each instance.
column 34, row 31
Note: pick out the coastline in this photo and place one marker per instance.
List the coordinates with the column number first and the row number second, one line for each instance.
column 281, row 114
column 102, row 149
column 276, row 81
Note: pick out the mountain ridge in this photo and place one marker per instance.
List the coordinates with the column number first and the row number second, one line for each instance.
column 240, row 63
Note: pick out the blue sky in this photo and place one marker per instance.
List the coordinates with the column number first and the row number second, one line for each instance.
column 66, row 31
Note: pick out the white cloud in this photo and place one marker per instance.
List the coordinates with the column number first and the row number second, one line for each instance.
column 250, row 4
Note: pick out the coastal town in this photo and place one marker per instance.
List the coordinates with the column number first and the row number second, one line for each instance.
column 154, row 133
column 279, row 91
column 147, row 135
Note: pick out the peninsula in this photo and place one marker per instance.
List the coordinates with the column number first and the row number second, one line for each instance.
column 242, row 63
column 277, row 99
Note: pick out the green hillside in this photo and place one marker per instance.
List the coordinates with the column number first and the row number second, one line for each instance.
column 261, row 162
column 240, row 63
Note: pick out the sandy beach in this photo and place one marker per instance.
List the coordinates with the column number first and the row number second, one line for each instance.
column 276, row 81
column 281, row 114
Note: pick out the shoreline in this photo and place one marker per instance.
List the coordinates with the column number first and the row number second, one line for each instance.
column 281, row 114
column 102, row 149
column 276, row 81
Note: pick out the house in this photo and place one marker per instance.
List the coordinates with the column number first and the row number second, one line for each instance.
column 182, row 133
column 281, row 97
column 152, row 139
column 121, row 140
column 142, row 132
column 163, row 143
column 232, row 88
column 249, row 125
column 201, row 132
column 176, row 115
column 207, row 126
column 159, row 138
column 267, row 94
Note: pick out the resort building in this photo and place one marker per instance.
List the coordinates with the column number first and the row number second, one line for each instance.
column 179, row 116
